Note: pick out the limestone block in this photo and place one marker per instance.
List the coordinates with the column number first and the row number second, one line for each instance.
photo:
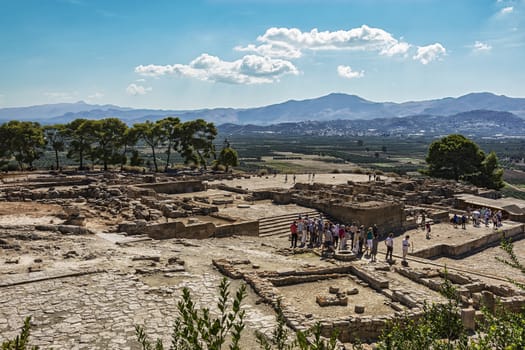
column 359, row 309
column 331, row 300
column 468, row 318
column 488, row 300
column 333, row 290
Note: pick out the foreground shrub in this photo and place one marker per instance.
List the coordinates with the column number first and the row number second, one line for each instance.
column 21, row 341
column 196, row 330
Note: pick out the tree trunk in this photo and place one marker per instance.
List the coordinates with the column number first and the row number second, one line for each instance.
column 168, row 155
column 154, row 159
column 56, row 158
column 81, row 159
column 123, row 158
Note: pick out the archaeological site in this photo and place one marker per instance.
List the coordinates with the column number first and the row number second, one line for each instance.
column 90, row 255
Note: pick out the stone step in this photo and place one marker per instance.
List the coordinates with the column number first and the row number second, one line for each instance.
column 281, row 232
column 280, row 225
column 291, row 216
column 280, row 222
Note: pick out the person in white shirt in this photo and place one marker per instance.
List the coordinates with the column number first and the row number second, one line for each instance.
column 406, row 244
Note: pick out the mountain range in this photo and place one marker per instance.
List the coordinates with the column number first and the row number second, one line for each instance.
column 477, row 123
column 332, row 107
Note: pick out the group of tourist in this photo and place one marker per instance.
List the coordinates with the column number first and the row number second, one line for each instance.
column 311, row 177
column 486, row 215
column 317, row 232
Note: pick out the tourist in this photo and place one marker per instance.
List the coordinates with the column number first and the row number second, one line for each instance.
column 464, row 221
column 405, row 244
column 327, row 241
column 313, row 234
column 335, row 234
column 375, row 230
column 389, row 242
column 455, row 220
column 304, row 232
column 488, row 215
column 342, row 237
column 362, row 238
column 373, row 250
column 320, row 230
column 369, row 240
column 300, row 226
column 355, row 244
column 352, row 229
column 293, row 234
column 285, row 178
column 427, row 227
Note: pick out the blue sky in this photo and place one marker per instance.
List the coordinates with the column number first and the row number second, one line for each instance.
column 243, row 53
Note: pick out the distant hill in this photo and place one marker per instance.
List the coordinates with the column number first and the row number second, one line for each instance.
column 334, row 106
column 479, row 123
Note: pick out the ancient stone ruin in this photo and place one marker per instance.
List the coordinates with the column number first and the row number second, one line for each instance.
column 128, row 243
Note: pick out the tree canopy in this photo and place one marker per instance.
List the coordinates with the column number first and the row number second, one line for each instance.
column 459, row 158
column 109, row 141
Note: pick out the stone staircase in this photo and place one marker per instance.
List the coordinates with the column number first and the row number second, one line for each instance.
column 280, row 225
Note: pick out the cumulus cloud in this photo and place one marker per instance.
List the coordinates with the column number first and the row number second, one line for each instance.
column 507, row 9
column 281, row 50
column 348, row 73
column 250, row 69
column 291, row 42
column 481, row 47
column 134, row 89
column 429, row 53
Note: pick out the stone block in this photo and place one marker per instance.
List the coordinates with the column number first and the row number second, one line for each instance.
column 359, row 309
column 468, row 319
column 333, row 290
column 331, row 300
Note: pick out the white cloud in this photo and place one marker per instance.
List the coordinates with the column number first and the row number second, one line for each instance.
column 347, row 72
column 134, row 89
column 481, row 47
column 291, row 42
column 140, row 80
column 96, row 95
column 507, row 9
column 429, row 53
column 251, row 69
column 282, row 50
column 59, row 96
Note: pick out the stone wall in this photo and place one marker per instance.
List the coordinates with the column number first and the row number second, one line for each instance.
column 469, row 247
column 387, row 216
column 180, row 230
column 245, row 228
column 202, row 230
column 176, row 187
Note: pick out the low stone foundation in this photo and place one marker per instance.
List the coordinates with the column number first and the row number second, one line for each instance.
column 469, row 247
column 202, row 230
column 359, row 325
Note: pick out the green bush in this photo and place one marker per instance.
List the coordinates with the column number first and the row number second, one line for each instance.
column 21, row 341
